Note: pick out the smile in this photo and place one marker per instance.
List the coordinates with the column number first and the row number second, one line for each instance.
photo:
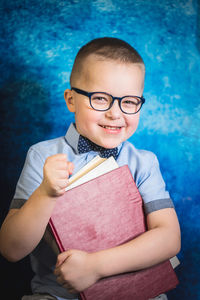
column 111, row 127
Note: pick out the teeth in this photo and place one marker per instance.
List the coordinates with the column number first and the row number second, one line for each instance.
column 111, row 127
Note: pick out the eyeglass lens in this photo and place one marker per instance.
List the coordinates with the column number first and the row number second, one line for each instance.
column 100, row 101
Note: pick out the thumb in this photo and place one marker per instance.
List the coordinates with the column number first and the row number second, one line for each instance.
column 62, row 257
column 70, row 167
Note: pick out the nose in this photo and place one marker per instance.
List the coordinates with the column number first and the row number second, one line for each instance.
column 114, row 112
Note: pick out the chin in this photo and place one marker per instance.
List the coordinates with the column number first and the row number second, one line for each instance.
column 107, row 143
column 110, row 146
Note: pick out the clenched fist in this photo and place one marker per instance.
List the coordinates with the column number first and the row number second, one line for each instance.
column 56, row 172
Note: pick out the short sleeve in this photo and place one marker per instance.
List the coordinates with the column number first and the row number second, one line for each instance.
column 30, row 178
column 152, row 186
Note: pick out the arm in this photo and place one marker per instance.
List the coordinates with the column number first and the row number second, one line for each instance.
column 78, row 270
column 160, row 242
column 23, row 228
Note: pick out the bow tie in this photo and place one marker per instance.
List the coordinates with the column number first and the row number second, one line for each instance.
column 85, row 145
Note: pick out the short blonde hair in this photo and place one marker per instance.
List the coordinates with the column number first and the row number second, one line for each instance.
column 105, row 48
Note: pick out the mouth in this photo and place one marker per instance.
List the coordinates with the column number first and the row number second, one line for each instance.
column 111, row 127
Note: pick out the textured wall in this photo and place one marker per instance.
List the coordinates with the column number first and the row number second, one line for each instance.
column 39, row 40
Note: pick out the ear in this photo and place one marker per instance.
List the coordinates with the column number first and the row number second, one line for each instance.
column 69, row 99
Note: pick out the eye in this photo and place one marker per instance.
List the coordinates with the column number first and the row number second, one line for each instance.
column 131, row 101
column 100, row 98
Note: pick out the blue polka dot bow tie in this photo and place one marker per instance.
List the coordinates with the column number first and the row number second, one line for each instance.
column 85, row 145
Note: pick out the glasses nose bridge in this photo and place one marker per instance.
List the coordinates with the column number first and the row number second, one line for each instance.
column 113, row 100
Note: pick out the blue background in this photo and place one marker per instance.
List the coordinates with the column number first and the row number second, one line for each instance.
column 38, row 43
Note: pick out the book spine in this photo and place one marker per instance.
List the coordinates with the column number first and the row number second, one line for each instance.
column 58, row 241
column 82, row 296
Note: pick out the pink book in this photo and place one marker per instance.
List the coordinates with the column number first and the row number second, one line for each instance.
column 102, row 213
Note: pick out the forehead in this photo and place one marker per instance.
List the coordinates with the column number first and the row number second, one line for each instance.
column 98, row 73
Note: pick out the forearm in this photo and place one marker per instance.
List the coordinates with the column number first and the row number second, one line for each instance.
column 22, row 230
column 146, row 250
column 159, row 243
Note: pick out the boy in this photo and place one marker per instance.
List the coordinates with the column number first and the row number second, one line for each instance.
column 107, row 82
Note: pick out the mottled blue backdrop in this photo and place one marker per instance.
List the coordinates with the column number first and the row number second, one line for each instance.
column 38, row 43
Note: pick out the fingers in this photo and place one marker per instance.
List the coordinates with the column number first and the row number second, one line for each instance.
column 60, row 162
column 66, row 285
column 76, row 270
column 62, row 257
column 56, row 172
column 60, row 274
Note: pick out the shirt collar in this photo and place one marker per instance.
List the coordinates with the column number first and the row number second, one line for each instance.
column 72, row 138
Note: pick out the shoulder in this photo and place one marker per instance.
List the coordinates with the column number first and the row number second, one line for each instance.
column 139, row 161
column 50, row 147
column 37, row 155
column 140, row 154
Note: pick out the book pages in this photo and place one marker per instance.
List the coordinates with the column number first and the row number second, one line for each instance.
column 96, row 167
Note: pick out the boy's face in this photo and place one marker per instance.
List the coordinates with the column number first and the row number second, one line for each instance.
column 106, row 128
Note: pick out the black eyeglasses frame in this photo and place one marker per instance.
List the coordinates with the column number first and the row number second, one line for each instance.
column 89, row 95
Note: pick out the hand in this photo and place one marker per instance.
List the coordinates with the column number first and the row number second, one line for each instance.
column 55, row 175
column 76, row 270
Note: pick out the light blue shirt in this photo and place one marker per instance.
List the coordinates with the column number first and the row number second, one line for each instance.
column 145, row 170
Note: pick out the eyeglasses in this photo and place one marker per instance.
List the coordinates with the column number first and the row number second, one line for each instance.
column 103, row 101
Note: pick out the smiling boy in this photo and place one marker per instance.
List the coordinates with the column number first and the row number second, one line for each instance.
column 107, row 83
column 108, row 128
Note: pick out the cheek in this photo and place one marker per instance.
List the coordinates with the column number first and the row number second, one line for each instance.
column 132, row 124
column 86, row 118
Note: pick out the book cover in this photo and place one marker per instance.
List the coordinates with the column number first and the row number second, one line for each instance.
column 102, row 213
